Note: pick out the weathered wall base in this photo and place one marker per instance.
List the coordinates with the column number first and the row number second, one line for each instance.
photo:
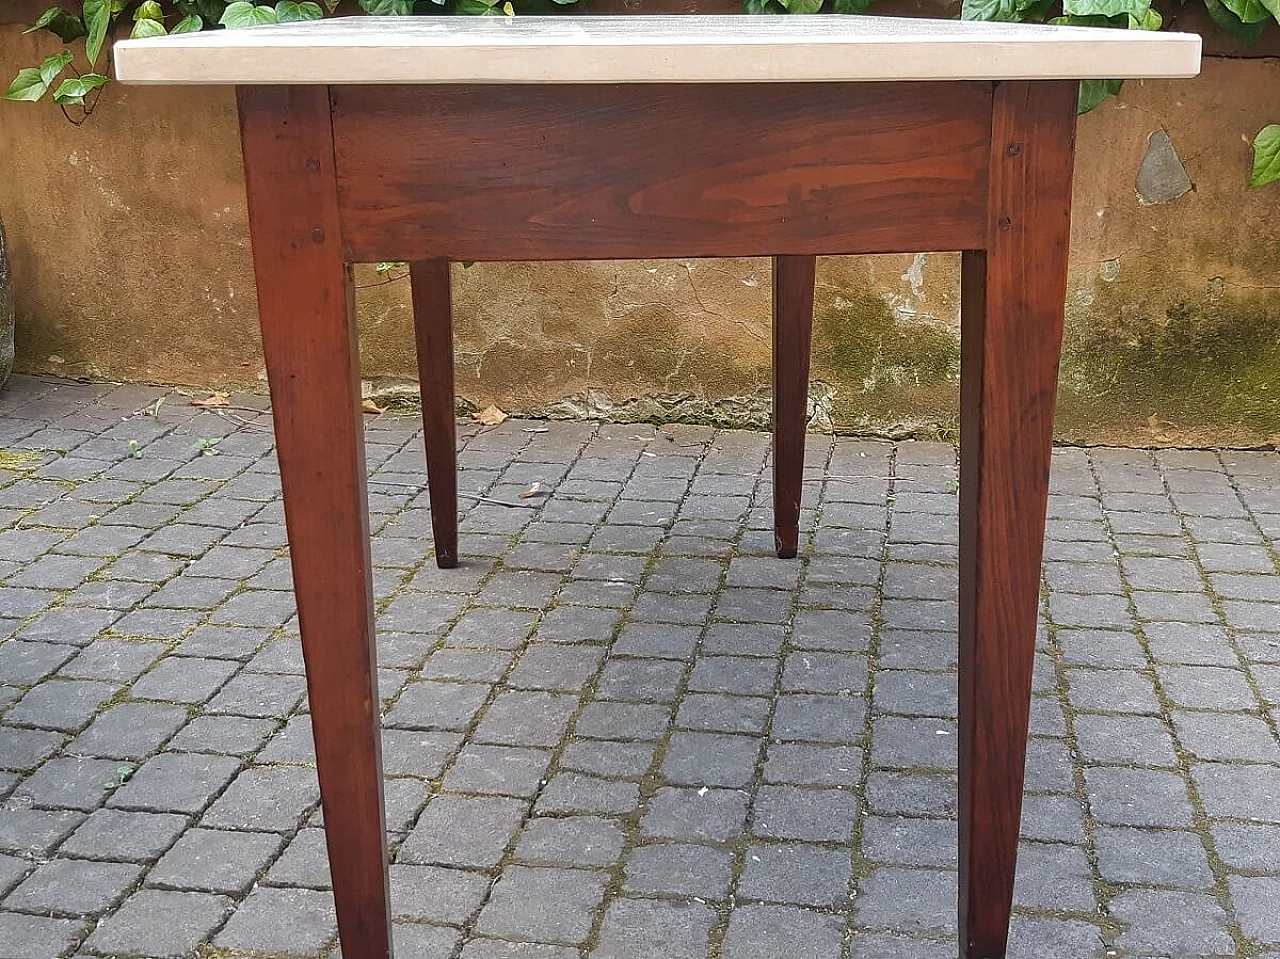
column 131, row 262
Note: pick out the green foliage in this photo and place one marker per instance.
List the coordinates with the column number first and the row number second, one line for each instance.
column 94, row 22
column 1266, row 156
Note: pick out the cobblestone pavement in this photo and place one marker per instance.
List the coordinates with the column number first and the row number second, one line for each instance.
column 622, row 729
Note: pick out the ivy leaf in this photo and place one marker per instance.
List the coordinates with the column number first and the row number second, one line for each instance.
column 147, row 27
column 290, row 11
column 762, row 6
column 27, row 85
column 1152, row 21
column 802, row 6
column 54, row 65
column 1228, row 21
column 189, row 24
column 1266, row 156
column 97, row 18
column 852, row 6
column 61, row 24
column 1248, row 11
column 1105, row 8
column 1093, row 92
column 244, row 13
column 148, row 10
column 75, row 89
column 988, row 10
column 475, row 8
column 387, row 8
column 508, row 9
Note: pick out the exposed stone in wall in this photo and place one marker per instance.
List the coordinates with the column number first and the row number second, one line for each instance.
column 1161, row 176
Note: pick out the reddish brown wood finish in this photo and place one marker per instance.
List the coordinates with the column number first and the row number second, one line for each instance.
column 433, row 329
column 649, row 170
column 428, row 174
column 1012, row 312
column 793, row 278
column 309, row 341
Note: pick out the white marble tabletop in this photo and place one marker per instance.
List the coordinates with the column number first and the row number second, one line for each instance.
column 651, row 49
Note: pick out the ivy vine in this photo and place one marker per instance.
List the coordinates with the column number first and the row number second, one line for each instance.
column 75, row 88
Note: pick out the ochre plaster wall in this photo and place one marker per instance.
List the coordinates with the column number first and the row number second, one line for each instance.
column 131, row 262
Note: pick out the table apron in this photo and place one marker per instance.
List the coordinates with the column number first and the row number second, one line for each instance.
column 564, row 172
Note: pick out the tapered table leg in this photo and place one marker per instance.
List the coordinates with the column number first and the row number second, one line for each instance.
column 433, row 329
column 1011, row 331
column 309, row 341
column 793, row 278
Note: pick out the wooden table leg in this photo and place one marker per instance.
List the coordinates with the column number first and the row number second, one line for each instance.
column 793, row 278
column 309, row 341
column 433, row 329
column 1012, row 311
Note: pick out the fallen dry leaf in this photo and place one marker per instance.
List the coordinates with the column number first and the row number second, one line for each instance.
column 212, row 400
column 533, row 490
column 490, row 416
column 369, row 406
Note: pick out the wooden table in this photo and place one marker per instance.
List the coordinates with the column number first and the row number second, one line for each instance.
column 436, row 139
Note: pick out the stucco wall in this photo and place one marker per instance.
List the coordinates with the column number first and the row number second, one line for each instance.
column 131, row 262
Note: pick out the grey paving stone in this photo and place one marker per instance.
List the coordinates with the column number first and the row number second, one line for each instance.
column 542, row 905
column 1054, row 876
column 662, row 640
column 23, row 749
column 73, row 887
column 179, row 679
column 830, row 719
column 72, row 783
column 438, row 705
column 807, row 765
column 498, row 770
column 304, row 862
column 1032, row 937
column 555, row 667
column 570, row 840
column 129, row 731
column 764, row 932
column 710, row 759
column 608, row 758
column 258, row 695
column 66, row 705
column 297, row 921
column 37, row 937
column 796, row 873
column 1239, row 791
column 435, row 894
column 266, row 798
column 640, row 680
column 573, row 792
column 1151, row 857
column 1248, row 846
column 232, row 735
column 1254, row 898
column 215, row 860
column 912, row 900
column 812, row 815
column 674, row 869
column 1125, row 739
column 175, row 782
column 888, row 946
column 1226, row 736
column 35, row 832
column 117, row 835
column 113, row 660
column 640, row 928
column 160, row 924
column 1207, row 687
column 913, row 743
column 698, row 815
column 26, row 663
column 1138, row 797
column 1112, row 690
column 1053, row 819
column 461, row 831
column 526, row 718
column 909, row 841
column 1177, row 923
